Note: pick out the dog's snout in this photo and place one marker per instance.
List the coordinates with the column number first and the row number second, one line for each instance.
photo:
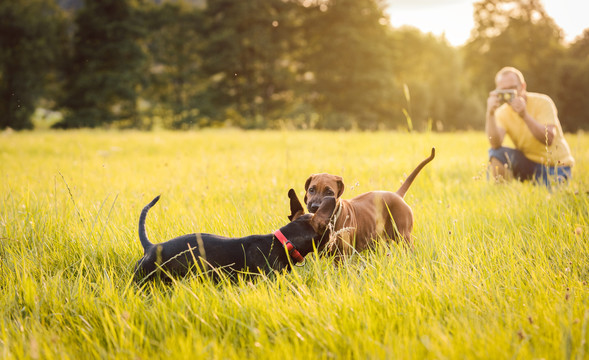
column 313, row 207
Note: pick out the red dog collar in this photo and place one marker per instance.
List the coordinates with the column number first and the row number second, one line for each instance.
column 289, row 246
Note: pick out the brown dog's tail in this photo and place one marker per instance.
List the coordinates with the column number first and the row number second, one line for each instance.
column 403, row 189
column 142, row 233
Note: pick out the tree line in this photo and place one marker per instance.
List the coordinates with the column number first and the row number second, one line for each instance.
column 327, row 64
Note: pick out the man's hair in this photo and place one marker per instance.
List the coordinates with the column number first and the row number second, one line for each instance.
column 511, row 69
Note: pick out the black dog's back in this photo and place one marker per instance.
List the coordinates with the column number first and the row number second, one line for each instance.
column 249, row 254
column 167, row 255
column 177, row 256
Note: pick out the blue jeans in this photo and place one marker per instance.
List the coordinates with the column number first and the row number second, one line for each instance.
column 526, row 169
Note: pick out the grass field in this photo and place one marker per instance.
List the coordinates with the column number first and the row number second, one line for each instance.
column 498, row 271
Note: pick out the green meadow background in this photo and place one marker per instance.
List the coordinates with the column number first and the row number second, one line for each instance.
column 498, row 271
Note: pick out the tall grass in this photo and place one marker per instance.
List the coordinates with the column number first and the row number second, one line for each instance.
column 498, row 271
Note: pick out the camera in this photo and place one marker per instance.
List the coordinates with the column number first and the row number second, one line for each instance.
column 505, row 96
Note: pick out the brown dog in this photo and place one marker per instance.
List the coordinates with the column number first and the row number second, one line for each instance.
column 358, row 222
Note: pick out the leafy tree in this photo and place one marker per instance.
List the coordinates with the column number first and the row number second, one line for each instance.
column 107, row 67
column 175, row 45
column 437, row 95
column 348, row 60
column 247, row 60
column 31, row 32
column 517, row 33
column 574, row 85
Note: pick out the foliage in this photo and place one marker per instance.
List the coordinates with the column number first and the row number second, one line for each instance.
column 31, row 34
column 345, row 38
column 328, row 64
column 573, row 87
column 521, row 34
column 176, row 79
column 498, row 271
column 249, row 60
column 516, row 33
column 441, row 96
column 107, row 66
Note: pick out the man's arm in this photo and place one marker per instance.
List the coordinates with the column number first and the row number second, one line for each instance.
column 543, row 133
column 495, row 134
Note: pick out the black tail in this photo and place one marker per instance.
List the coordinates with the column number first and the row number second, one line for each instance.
column 403, row 189
column 142, row 234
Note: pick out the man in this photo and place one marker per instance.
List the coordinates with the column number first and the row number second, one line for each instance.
column 530, row 120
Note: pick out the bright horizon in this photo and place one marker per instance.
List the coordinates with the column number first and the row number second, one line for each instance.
column 454, row 18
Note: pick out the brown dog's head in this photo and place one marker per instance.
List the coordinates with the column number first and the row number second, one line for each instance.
column 319, row 186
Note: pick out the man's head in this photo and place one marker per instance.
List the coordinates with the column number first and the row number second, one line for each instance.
column 510, row 78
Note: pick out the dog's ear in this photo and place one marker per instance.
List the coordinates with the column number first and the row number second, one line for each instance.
column 340, row 186
column 322, row 216
column 307, row 183
column 296, row 209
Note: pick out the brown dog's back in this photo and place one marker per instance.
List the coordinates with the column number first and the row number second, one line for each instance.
column 366, row 217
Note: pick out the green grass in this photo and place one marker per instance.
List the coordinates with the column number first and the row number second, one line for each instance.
column 498, row 271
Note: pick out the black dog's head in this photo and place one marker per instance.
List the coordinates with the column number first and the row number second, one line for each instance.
column 308, row 231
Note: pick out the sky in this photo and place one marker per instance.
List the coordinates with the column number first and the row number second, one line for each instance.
column 454, row 17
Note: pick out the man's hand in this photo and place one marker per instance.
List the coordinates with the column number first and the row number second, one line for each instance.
column 543, row 133
column 494, row 133
column 518, row 104
column 492, row 102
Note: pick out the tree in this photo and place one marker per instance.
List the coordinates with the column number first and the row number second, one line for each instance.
column 437, row 91
column 107, row 68
column 517, row 33
column 573, row 88
column 348, row 61
column 31, row 32
column 175, row 45
column 247, row 61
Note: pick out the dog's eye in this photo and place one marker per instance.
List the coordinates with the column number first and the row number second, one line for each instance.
column 312, row 190
column 329, row 192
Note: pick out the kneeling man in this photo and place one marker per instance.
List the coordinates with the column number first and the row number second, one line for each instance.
column 530, row 120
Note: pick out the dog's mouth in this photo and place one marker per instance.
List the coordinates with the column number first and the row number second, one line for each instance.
column 313, row 207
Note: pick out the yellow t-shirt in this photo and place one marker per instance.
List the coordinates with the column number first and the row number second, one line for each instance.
column 542, row 109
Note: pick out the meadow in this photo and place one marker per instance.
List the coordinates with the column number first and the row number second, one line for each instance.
column 499, row 271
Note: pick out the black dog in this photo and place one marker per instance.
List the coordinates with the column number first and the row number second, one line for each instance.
column 250, row 254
